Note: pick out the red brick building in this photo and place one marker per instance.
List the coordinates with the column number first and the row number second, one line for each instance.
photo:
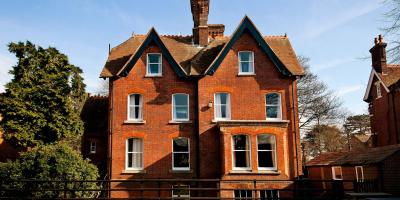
column 206, row 106
column 383, row 97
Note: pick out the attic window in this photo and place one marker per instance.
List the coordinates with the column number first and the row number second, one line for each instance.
column 246, row 62
column 378, row 89
column 154, row 63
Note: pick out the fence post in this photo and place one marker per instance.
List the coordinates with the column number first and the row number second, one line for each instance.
column 255, row 189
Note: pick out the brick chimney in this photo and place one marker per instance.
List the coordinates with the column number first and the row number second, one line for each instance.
column 200, row 10
column 378, row 55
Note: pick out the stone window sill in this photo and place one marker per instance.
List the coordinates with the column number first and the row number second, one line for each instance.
column 128, row 171
column 246, row 74
column 180, row 122
column 263, row 172
column 153, row 76
column 134, row 122
column 250, row 121
column 181, row 171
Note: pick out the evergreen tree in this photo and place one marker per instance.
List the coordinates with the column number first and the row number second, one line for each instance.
column 42, row 102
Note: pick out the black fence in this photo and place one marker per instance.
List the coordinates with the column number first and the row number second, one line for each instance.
column 183, row 189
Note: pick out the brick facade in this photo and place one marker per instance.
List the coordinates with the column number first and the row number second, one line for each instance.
column 210, row 140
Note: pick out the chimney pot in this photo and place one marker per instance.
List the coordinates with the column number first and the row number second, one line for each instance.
column 380, row 39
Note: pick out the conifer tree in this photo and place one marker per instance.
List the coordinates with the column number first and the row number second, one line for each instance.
column 42, row 102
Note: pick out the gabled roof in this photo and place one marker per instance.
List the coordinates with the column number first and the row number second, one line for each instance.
column 193, row 60
column 372, row 75
column 364, row 157
column 152, row 36
column 248, row 26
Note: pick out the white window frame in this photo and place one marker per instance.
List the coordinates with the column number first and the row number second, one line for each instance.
column 269, row 194
column 248, row 191
column 251, row 69
column 180, row 196
column 173, row 153
column 378, row 89
column 148, row 65
column 275, row 156
column 359, row 179
column 133, row 152
column 133, row 107
column 247, row 150
column 334, row 173
column 279, row 114
column 173, row 108
column 228, row 107
column 92, row 146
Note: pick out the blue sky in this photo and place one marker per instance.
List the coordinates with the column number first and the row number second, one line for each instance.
column 334, row 34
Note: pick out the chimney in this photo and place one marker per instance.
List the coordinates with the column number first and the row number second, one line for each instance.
column 200, row 10
column 378, row 55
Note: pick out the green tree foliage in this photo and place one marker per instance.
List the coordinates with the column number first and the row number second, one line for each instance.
column 356, row 125
column 51, row 162
column 323, row 138
column 42, row 102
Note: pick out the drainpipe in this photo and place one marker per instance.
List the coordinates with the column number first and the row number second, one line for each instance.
column 395, row 116
column 196, row 125
column 110, row 125
column 294, row 128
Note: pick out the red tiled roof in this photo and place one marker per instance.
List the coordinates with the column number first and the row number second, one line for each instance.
column 369, row 156
column 392, row 76
column 195, row 60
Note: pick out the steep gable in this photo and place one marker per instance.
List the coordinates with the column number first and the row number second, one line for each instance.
column 152, row 36
column 247, row 26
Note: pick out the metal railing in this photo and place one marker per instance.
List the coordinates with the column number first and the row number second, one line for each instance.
column 181, row 189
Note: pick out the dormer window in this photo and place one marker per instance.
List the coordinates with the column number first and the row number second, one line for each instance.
column 154, row 63
column 246, row 62
column 378, row 89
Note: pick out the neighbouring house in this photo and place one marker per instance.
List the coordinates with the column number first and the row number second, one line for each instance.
column 360, row 142
column 380, row 165
column 94, row 140
column 204, row 106
column 383, row 97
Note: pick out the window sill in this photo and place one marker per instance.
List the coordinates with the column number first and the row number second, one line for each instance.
column 153, row 76
column 134, row 122
column 250, row 121
column 180, row 122
column 247, row 74
column 131, row 171
column 262, row 172
column 181, row 171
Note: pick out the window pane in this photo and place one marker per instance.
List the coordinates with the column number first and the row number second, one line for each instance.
column 266, row 142
column 154, row 68
column 130, row 157
column 241, row 159
column 180, row 100
column 137, row 113
column 181, row 112
column 181, row 145
column 240, row 142
column 130, row 145
column 132, row 99
column 137, row 99
column 154, row 58
column 181, row 160
column 266, row 158
column 245, row 56
column 272, row 99
column 223, row 112
column 243, row 194
column 245, row 67
column 272, row 111
column 222, row 98
column 181, row 191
